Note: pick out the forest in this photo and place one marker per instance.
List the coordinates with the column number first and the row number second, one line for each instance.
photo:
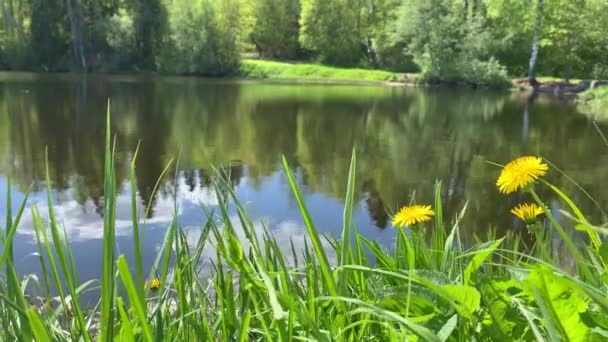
column 486, row 40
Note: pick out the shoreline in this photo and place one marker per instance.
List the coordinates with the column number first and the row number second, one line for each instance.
column 305, row 73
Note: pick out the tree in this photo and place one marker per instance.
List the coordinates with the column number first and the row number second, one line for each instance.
column 203, row 38
column 574, row 36
column 49, row 34
column 75, row 17
column 535, row 44
column 447, row 45
column 329, row 29
column 276, row 29
column 150, row 23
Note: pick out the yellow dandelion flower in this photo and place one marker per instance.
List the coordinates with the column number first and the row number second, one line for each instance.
column 527, row 211
column 409, row 216
column 154, row 284
column 520, row 173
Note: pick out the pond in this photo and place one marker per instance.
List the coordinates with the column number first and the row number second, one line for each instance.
column 406, row 139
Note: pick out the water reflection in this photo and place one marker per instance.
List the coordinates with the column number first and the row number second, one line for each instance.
column 405, row 139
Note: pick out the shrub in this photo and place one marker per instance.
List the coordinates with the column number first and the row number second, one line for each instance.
column 600, row 72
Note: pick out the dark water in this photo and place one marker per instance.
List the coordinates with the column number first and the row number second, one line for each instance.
column 405, row 138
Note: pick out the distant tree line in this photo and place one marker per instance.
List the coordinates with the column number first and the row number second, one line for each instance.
column 442, row 39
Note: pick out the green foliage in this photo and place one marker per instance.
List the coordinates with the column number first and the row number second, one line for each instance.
column 470, row 41
column 329, row 29
column 276, row 29
column 448, row 43
column 150, row 24
column 49, row 35
column 204, row 38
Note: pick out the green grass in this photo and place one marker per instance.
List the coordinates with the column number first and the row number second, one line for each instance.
column 594, row 103
column 428, row 286
column 260, row 69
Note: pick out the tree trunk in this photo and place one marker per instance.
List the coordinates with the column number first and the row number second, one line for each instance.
column 535, row 45
column 372, row 56
column 76, row 28
column 371, row 53
column 10, row 23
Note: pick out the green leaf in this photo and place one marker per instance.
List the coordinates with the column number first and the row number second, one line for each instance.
column 347, row 228
column 40, row 333
column 478, row 260
column 595, row 319
column 136, row 302
column 126, row 331
column 448, row 328
column 468, row 296
column 560, row 301
column 604, row 251
column 420, row 308
column 505, row 321
column 328, row 277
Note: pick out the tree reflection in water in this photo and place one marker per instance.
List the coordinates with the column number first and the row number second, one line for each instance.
column 406, row 139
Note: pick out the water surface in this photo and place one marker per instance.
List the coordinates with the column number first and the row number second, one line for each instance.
column 406, row 139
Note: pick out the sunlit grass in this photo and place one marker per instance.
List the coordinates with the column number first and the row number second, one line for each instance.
column 261, row 69
column 594, row 103
column 427, row 286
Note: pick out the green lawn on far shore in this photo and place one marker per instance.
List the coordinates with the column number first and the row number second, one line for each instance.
column 260, row 69
column 594, row 103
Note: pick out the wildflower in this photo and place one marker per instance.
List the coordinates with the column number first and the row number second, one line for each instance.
column 527, row 211
column 520, row 173
column 154, row 284
column 412, row 215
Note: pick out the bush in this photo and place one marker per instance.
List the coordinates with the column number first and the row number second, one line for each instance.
column 121, row 39
column 203, row 39
column 486, row 73
column 600, row 72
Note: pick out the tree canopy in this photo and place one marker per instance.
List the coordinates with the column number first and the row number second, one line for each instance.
column 443, row 39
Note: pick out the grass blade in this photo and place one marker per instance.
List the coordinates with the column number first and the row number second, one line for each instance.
column 328, row 277
column 346, row 252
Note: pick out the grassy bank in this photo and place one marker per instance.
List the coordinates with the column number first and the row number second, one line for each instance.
column 428, row 286
column 260, row 69
column 594, row 103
